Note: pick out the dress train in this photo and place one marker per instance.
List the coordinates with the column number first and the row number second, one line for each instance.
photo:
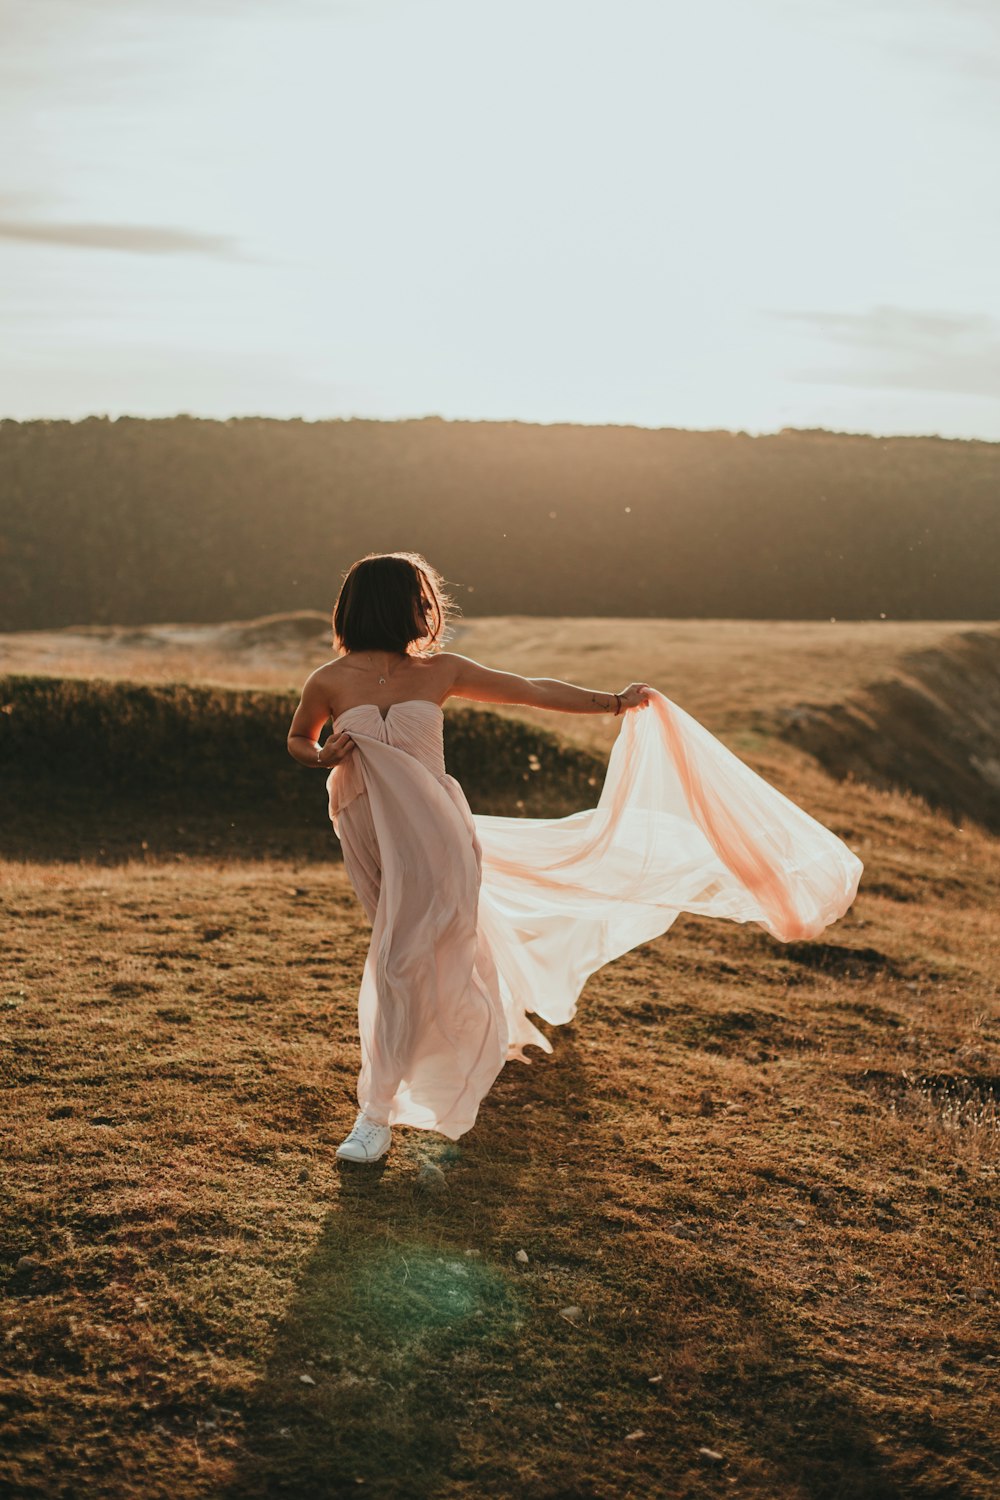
column 477, row 920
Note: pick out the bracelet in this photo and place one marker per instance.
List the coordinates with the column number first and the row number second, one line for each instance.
column 619, row 703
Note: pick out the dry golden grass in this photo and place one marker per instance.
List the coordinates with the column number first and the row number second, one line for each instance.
column 725, row 672
column 766, row 1176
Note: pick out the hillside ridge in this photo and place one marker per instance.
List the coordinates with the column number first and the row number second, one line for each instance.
column 136, row 520
column 931, row 728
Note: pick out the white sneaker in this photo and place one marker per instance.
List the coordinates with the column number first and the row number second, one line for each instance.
column 368, row 1141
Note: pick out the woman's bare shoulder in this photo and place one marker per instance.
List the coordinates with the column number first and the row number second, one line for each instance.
column 455, row 662
column 455, row 668
column 326, row 672
column 326, row 682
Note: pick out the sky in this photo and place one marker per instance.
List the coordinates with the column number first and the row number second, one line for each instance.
column 744, row 214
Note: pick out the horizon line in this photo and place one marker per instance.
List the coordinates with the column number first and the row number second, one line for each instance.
column 501, row 422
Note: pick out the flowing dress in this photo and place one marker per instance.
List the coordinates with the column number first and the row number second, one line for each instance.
column 478, row 920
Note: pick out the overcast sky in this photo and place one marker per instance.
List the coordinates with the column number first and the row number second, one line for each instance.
column 736, row 213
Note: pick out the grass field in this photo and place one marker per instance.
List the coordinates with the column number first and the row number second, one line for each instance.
column 725, row 672
column 736, row 1236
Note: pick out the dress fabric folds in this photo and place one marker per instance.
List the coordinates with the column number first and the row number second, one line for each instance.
column 478, row 920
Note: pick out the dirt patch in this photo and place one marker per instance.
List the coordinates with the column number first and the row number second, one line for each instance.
column 963, row 1100
column 842, row 961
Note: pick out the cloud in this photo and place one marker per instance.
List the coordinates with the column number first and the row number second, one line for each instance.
column 81, row 375
column 905, row 348
column 133, row 239
column 958, row 37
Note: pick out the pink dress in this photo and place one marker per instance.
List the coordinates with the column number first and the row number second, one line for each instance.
column 478, row 920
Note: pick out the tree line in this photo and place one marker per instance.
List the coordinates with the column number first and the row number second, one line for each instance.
column 134, row 521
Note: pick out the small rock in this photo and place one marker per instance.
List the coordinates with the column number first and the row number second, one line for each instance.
column 711, row 1455
column 633, row 1437
column 473, row 1252
column 572, row 1314
column 654, row 1379
column 432, row 1178
column 307, row 1380
column 29, row 1263
column 800, row 1223
column 980, row 1294
column 522, row 1256
column 681, row 1231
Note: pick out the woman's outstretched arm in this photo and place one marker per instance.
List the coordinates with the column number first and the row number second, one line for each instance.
column 485, row 685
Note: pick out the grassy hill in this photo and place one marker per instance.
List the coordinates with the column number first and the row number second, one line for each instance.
column 736, row 1235
column 172, row 738
column 144, row 768
column 133, row 521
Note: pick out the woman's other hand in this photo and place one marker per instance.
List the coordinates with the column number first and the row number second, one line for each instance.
column 336, row 749
column 636, row 695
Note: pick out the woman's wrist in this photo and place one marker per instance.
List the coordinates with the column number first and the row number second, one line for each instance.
column 606, row 703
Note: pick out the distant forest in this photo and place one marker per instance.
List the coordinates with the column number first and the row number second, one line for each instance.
column 135, row 522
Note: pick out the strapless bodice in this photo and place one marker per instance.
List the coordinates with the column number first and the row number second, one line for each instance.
column 414, row 725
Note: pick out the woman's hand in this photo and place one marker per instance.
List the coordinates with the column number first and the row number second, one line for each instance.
column 336, row 749
column 636, row 695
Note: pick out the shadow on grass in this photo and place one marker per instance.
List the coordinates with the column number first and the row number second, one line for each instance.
column 389, row 1309
column 433, row 1371
column 41, row 825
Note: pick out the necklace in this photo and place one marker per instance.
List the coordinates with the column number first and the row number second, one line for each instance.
column 384, row 679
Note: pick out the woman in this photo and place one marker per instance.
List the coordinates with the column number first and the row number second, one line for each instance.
column 477, row 920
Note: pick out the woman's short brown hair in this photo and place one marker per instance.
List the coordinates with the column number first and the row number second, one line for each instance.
column 382, row 600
